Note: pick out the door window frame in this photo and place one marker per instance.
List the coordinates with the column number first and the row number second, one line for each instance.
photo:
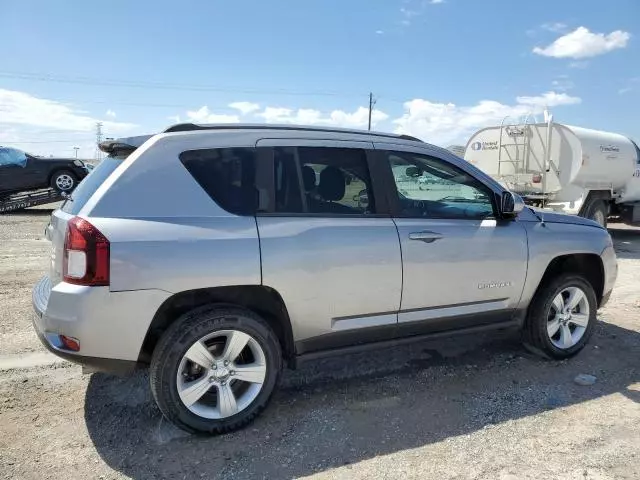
column 386, row 173
column 375, row 169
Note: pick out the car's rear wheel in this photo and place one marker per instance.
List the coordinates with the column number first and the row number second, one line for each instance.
column 214, row 370
column 63, row 181
column 561, row 317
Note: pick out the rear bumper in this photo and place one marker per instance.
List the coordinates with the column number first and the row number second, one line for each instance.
column 110, row 326
column 51, row 343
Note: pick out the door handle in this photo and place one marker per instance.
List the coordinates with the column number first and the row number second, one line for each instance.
column 426, row 236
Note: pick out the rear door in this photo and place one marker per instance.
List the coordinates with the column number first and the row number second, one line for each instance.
column 329, row 245
column 462, row 266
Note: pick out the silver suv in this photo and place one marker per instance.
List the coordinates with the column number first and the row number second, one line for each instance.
column 219, row 254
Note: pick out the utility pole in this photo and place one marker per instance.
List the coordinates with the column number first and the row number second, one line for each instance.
column 98, row 140
column 372, row 102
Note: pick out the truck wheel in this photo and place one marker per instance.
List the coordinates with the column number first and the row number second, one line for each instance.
column 598, row 211
column 561, row 317
column 214, row 369
column 63, row 181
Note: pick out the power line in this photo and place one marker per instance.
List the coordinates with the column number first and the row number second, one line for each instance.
column 41, row 141
column 164, row 86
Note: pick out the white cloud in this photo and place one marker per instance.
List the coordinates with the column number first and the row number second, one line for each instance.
column 174, row 118
column 581, row 43
column 562, row 83
column 556, row 27
column 447, row 123
column 203, row 115
column 631, row 85
column 581, row 64
column 47, row 127
column 110, row 113
column 306, row 116
column 379, row 32
column 245, row 107
column 24, row 109
column 414, row 9
column 549, row 99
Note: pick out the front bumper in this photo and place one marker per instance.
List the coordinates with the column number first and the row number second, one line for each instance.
column 110, row 326
column 610, row 265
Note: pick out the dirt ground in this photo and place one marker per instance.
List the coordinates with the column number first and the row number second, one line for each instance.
column 468, row 407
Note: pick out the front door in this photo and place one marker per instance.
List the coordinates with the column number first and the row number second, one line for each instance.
column 462, row 266
column 326, row 248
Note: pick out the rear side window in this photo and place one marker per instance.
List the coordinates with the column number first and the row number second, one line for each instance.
column 228, row 175
column 333, row 181
column 88, row 186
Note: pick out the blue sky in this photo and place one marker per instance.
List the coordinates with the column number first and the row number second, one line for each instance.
column 438, row 69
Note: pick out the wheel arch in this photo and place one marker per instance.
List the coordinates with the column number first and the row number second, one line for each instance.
column 588, row 265
column 263, row 300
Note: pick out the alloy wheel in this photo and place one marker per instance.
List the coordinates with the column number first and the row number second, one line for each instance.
column 568, row 318
column 221, row 374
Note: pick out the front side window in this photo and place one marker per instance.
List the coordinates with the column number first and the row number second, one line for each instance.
column 333, row 181
column 228, row 175
column 428, row 187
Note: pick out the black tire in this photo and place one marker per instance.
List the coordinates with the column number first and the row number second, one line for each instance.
column 598, row 212
column 535, row 336
column 61, row 174
column 183, row 333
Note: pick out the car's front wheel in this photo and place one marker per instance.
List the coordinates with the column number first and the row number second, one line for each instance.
column 214, row 370
column 561, row 317
column 63, row 181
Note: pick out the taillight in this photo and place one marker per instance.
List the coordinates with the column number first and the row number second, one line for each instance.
column 537, row 178
column 86, row 254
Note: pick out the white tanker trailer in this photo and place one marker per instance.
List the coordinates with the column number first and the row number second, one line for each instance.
column 574, row 170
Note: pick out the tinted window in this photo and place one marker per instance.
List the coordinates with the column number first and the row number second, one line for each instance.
column 432, row 188
column 88, row 186
column 228, row 175
column 333, row 180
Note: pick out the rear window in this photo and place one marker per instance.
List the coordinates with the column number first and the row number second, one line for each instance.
column 228, row 175
column 89, row 185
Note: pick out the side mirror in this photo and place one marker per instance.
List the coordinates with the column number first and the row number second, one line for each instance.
column 512, row 204
column 412, row 172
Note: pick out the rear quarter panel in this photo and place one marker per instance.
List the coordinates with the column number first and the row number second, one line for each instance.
column 180, row 254
column 166, row 233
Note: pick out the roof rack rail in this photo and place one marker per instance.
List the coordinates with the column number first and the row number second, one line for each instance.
column 188, row 127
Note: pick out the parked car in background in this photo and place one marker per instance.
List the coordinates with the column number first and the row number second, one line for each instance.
column 20, row 171
column 218, row 254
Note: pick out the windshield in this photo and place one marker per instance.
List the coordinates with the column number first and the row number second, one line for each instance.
column 90, row 184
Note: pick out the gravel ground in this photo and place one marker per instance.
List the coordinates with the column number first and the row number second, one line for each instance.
column 468, row 407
